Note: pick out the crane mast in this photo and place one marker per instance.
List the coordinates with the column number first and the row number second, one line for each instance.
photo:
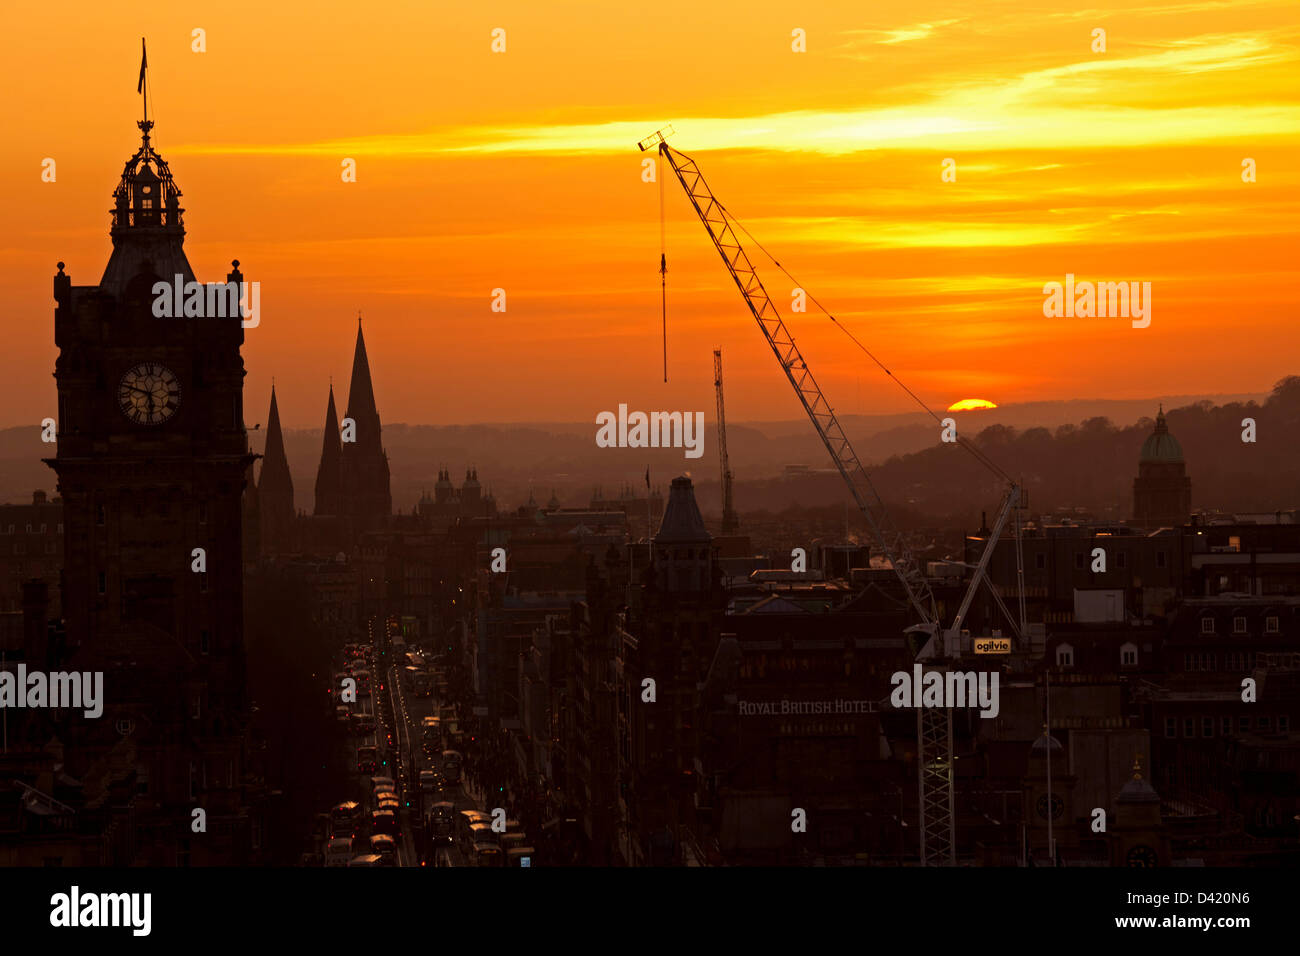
column 730, row 524
column 938, row 845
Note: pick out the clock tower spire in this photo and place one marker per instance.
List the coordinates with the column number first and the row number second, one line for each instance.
column 152, row 459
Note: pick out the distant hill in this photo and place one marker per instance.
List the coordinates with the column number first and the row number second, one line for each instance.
column 1068, row 455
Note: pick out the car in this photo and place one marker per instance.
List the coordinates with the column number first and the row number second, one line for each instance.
column 343, row 713
column 367, row 760
column 386, row 783
column 363, row 724
column 345, row 819
column 385, row 847
column 339, row 851
column 384, row 821
column 389, row 803
column 367, row 859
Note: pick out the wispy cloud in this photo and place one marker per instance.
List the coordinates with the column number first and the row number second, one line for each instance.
column 1089, row 102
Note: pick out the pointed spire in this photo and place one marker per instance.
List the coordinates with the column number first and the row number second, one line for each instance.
column 366, row 483
column 275, row 492
column 682, row 521
column 361, row 396
column 329, row 474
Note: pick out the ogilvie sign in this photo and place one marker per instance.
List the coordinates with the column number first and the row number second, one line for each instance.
column 993, row 645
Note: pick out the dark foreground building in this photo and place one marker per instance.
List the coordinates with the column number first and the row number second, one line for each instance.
column 151, row 463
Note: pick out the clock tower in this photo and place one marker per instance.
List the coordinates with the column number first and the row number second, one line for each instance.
column 1051, row 831
column 1137, row 836
column 152, row 459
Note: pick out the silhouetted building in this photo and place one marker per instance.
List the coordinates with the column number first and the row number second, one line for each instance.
column 367, row 496
column 31, row 546
column 152, row 461
column 1162, row 492
column 329, row 474
column 275, row 490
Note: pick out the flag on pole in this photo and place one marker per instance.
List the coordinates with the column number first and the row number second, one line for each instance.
column 144, row 62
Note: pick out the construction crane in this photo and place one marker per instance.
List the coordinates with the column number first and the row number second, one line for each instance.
column 730, row 525
column 938, row 845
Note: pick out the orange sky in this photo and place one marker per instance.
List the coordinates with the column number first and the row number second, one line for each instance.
column 519, row 170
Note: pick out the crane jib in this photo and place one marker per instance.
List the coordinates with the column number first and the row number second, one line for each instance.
column 716, row 222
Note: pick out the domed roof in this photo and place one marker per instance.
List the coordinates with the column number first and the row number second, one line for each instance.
column 1161, row 446
column 1045, row 744
column 1138, row 790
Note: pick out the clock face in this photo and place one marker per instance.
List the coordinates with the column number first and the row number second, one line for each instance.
column 149, row 394
column 1055, row 803
column 1141, row 856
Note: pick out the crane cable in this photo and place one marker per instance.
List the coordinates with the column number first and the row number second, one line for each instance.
column 663, row 266
column 979, row 455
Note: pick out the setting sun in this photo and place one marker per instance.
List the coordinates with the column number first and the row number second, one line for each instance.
column 966, row 404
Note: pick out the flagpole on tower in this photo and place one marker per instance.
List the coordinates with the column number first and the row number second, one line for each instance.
column 140, row 86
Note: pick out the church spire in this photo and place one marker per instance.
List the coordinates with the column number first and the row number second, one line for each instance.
column 361, row 394
column 367, row 492
column 275, row 486
column 329, row 474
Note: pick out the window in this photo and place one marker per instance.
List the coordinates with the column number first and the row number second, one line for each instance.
column 1171, row 726
column 43, row 528
column 1162, row 559
column 1238, row 625
column 60, row 527
column 1225, row 726
column 1064, row 655
column 29, row 529
column 1270, row 625
column 1207, row 726
column 1189, row 726
column 1207, row 625
column 1040, row 561
column 1265, row 725
column 1283, row 723
column 1243, row 725
column 1128, row 655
